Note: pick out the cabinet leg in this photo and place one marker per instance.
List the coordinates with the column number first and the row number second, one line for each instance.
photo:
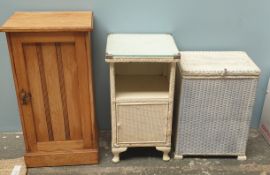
column 242, row 157
column 116, row 152
column 165, row 151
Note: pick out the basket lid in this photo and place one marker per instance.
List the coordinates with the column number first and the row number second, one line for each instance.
column 228, row 63
column 141, row 45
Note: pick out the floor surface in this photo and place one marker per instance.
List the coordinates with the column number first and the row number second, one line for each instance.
column 148, row 160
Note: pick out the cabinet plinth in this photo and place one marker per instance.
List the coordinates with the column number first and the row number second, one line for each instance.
column 51, row 63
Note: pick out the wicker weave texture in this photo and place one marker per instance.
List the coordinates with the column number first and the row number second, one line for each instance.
column 214, row 116
column 229, row 63
column 142, row 123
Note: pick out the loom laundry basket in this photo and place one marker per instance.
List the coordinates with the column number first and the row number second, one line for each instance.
column 217, row 93
column 142, row 79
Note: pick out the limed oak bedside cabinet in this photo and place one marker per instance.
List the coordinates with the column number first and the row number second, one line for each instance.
column 51, row 61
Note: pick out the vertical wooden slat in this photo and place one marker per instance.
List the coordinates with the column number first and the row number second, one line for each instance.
column 62, row 89
column 54, row 92
column 35, row 85
column 45, row 92
column 70, row 69
column 84, row 95
column 22, row 84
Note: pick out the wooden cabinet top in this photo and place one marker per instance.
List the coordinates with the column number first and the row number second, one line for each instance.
column 48, row 22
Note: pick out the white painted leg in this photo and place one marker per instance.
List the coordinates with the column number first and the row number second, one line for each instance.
column 242, row 158
column 179, row 157
column 116, row 152
column 165, row 151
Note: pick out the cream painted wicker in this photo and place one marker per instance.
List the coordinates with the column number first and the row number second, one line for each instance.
column 216, row 93
column 142, row 79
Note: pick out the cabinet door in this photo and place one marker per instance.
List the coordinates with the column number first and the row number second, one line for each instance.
column 141, row 123
column 54, row 90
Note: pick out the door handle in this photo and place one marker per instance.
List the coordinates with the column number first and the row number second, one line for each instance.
column 25, row 97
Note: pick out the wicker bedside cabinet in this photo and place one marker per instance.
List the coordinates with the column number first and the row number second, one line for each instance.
column 142, row 75
column 217, row 93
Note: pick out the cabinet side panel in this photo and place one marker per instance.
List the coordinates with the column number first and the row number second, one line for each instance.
column 172, row 71
column 35, row 85
column 88, row 42
column 70, row 70
column 84, row 94
column 113, row 105
column 49, row 56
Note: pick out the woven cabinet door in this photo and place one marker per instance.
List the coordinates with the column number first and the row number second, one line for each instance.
column 141, row 123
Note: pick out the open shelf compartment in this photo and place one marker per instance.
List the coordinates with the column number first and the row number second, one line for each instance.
column 141, row 81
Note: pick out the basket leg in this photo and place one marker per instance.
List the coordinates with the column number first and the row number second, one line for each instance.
column 179, row 157
column 116, row 152
column 242, row 157
column 165, row 151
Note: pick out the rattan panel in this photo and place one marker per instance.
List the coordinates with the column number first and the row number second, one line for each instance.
column 141, row 123
column 215, row 116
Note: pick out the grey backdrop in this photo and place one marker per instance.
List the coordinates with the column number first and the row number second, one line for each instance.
column 195, row 25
